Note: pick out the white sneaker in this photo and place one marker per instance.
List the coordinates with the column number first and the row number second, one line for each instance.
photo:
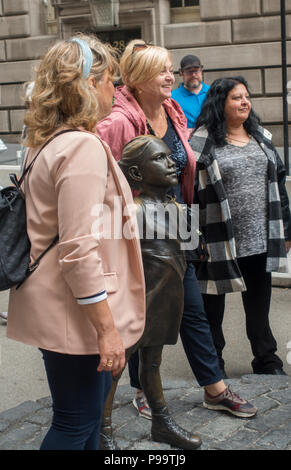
column 142, row 406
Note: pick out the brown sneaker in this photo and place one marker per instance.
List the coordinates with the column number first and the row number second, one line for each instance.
column 231, row 402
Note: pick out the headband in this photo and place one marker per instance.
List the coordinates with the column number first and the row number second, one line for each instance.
column 87, row 56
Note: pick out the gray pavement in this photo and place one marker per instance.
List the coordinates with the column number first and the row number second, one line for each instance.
column 23, row 427
column 25, row 411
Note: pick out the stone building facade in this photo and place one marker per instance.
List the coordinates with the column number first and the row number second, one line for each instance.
column 230, row 36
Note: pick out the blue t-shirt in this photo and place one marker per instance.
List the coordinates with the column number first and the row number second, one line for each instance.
column 190, row 102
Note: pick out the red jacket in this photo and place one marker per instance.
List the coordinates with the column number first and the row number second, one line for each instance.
column 127, row 120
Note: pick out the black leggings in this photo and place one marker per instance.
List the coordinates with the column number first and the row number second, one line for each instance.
column 256, row 300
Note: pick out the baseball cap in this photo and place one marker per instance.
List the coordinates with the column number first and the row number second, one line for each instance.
column 190, row 61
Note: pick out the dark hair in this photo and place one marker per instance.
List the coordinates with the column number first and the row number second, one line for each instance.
column 212, row 114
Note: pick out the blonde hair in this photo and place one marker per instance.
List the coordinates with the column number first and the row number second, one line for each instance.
column 141, row 64
column 61, row 96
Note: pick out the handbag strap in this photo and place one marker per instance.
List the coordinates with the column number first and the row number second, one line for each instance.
column 26, row 170
column 35, row 264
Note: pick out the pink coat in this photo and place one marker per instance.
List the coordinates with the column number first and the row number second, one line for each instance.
column 127, row 120
column 73, row 177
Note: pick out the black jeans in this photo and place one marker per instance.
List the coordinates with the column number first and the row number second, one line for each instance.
column 256, row 301
column 195, row 335
column 78, row 393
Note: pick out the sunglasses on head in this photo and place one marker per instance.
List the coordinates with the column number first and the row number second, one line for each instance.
column 140, row 46
column 137, row 47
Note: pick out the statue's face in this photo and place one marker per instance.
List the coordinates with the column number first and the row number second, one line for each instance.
column 158, row 167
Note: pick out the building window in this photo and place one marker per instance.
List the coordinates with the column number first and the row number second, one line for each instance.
column 51, row 18
column 185, row 11
column 183, row 3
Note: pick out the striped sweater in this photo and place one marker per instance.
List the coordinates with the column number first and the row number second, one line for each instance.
column 220, row 273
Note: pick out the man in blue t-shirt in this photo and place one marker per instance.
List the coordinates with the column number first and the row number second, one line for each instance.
column 192, row 93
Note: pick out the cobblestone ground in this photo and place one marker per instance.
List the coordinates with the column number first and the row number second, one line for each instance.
column 23, row 427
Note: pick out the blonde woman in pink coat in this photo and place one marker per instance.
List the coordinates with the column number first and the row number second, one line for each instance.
column 85, row 302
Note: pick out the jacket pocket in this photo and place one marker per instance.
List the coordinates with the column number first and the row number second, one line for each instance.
column 111, row 282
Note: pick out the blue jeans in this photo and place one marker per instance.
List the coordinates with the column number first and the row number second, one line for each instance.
column 195, row 335
column 78, row 394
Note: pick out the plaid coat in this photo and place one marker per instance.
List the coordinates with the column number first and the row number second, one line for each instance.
column 220, row 273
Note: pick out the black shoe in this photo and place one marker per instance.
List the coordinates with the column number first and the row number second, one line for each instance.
column 164, row 429
column 271, row 372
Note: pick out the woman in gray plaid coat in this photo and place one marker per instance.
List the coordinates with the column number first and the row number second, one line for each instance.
column 244, row 215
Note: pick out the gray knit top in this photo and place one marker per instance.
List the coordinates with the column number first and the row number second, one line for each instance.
column 244, row 176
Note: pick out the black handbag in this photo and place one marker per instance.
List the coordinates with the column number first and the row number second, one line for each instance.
column 14, row 241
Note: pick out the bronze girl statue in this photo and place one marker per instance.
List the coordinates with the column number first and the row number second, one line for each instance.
column 147, row 164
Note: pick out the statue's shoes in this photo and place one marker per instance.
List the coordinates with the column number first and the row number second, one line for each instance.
column 164, row 429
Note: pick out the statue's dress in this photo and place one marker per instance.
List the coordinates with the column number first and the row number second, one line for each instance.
column 164, row 268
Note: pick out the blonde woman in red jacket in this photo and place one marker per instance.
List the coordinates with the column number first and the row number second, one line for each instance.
column 143, row 105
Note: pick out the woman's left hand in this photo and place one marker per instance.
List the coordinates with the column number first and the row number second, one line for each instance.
column 111, row 349
column 288, row 245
